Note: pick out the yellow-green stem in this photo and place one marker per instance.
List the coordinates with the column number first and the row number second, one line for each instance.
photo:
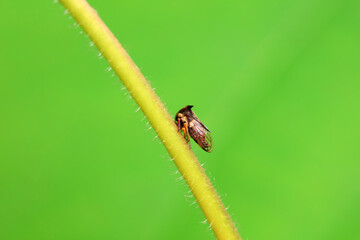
column 157, row 115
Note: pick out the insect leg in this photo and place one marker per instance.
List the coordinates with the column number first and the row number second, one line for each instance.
column 186, row 133
column 179, row 123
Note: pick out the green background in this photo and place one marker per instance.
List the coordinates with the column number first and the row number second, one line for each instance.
column 277, row 82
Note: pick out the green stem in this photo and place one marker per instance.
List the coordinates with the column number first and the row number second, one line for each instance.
column 157, row 115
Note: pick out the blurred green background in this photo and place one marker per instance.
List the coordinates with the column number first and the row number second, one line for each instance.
column 277, row 82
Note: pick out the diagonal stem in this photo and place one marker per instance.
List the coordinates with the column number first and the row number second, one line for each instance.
column 157, row 115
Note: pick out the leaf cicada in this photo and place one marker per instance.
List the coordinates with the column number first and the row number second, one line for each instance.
column 189, row 124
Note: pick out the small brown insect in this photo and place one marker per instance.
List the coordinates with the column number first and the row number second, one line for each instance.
column 189, row 124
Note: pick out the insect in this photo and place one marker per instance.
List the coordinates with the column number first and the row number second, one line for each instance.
column 189, row 124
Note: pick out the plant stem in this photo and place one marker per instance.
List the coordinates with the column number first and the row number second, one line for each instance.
column 157, row 115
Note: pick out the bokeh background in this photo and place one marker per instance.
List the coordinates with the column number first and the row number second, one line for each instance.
column 277, row 82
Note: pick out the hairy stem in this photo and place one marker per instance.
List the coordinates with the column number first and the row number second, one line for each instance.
column 157, row 115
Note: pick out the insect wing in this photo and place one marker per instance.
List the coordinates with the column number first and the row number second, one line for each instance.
column 201, row 135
